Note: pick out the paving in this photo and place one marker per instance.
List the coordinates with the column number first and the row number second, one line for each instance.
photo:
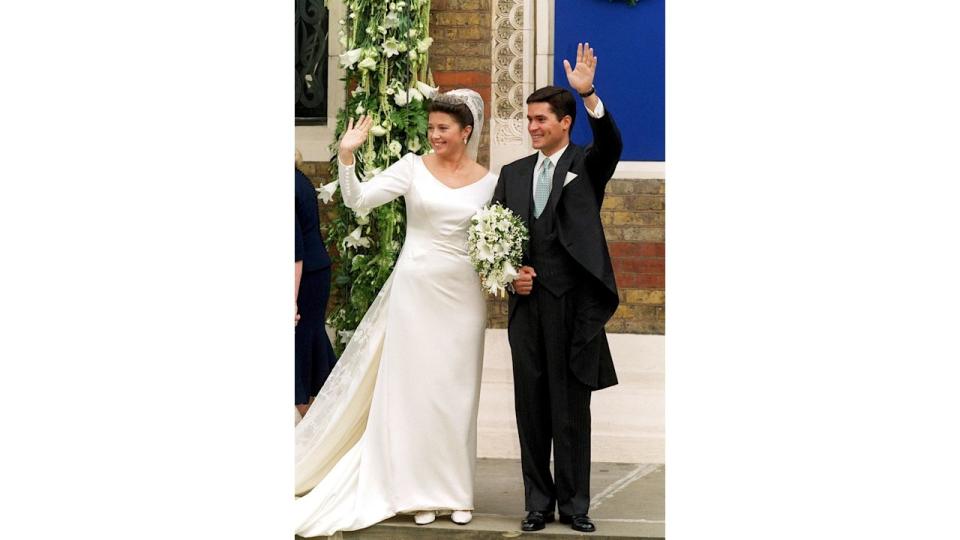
column 627, row 501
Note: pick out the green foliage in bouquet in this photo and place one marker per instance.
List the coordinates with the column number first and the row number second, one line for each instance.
column 387, row 77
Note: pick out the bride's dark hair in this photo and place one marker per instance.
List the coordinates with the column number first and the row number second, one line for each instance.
column 455, row 108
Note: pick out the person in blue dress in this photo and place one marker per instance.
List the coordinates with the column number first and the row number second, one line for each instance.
column 314, row 353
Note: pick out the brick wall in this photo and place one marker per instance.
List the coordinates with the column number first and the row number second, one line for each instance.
column 460, row 57
column 633, row 219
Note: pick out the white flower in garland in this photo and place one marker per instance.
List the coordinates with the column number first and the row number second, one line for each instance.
column 345, row 335
column 392, row 20
column 356, row 239
column 412, row 54
column 326, row 192
column 428, row 91
column 400, row 98
column 395, row 148
column 349, row 58
column 414, row 94
column 378, row 131
column 360, row 110
column 413, row 145
column 391, row 47
column 368, row 64
column 424, row 44
column 362, row 216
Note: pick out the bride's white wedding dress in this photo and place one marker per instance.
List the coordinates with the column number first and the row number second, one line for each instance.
column 393, row 430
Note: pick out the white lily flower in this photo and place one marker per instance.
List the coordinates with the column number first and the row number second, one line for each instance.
column 360, row 109
column 367, row 64
column 412, row 54
column 483, row 252
column 349, row 58
column 424, row 44
column 414, row 94
column 362, row 216
column 392, row 20
column 356, row 239
column 391, row 47
column 326, row 192
column 509, row 272
column 395, row 148
column 412, row 32
column 378, row 131
column 413, row 145
column 428, row 91
column 400, row 98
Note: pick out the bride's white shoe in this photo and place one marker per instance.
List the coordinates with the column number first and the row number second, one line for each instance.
column 423, row 518
column 461, row 517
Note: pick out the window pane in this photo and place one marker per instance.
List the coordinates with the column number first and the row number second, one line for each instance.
column 311, row 31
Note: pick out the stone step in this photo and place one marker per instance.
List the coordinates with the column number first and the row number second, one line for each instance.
column 494, row 527
column 626, row 502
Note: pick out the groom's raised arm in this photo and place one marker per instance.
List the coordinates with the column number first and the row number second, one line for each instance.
column 603, row 154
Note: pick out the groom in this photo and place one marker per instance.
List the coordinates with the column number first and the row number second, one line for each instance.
column 564, row 295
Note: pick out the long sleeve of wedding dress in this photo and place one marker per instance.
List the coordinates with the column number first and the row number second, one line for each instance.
column 381, row 189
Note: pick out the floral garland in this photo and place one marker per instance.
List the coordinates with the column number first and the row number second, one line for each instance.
column 387, row 77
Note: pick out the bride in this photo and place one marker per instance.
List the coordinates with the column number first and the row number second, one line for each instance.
column 394, row 429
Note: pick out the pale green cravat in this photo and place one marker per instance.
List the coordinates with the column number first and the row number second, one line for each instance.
column 541, row 191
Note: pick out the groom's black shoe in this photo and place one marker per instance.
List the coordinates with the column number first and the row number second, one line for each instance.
column 578, row 522
column 536, row 521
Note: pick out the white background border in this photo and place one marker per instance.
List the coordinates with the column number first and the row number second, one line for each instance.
column 146, row 284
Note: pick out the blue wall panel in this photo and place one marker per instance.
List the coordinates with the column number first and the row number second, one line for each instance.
column 629, row 44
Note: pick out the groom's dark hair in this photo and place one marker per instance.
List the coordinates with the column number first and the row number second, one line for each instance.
column 560, row 100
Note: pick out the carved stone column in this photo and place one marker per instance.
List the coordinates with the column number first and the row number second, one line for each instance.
column 512, row 79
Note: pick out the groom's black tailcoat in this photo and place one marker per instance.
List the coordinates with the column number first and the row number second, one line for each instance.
column 557, row 339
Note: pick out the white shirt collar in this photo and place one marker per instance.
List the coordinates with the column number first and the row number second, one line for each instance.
column 554, row 158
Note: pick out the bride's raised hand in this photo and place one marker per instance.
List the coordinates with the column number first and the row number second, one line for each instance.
column 355, row 135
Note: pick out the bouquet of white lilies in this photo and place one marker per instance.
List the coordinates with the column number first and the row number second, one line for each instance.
column 495, row 243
